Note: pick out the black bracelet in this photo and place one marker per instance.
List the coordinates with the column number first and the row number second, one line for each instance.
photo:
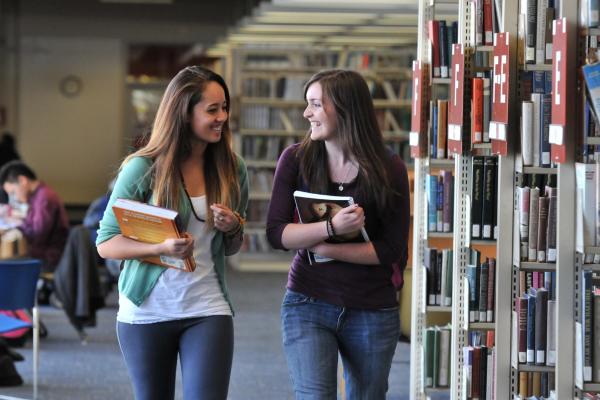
column 333, row 234
column 328, row 226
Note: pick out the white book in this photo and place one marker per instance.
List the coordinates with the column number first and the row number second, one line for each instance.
column 540, row 40
column 527, row 133
column 585, row 222
column 537, row 100
column 444, row 361
column 314, row 207
column 551, row 334
column 534, row 194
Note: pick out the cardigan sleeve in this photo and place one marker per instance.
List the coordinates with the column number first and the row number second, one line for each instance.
column 132, row 183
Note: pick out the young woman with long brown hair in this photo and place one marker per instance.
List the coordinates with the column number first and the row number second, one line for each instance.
column 187, row 165
column 346, row 306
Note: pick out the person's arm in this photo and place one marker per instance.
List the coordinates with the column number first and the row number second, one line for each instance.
column 391, row 245
column 282, row 232
column 134, row 183
column 233, row 242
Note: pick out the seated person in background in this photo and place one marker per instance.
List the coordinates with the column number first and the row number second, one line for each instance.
column 46, row 224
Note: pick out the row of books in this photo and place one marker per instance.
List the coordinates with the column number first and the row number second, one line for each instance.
column 535, row 328
column 537, row 279
column 286, row 88
column 436, row 349
column 483, row 198
column 438, row 129
column 258, row 116
column 482, row 279
column 485, row 21
column 536, row 385
column 330, row 59
column 438, row 264
column 536, row 215
column 257, row 211
column 590, row 128
column 535, row 30
column 587, row 344
column 266, row 148
column 478, row 366
column 589, row 13
column 440, row 201
column 536, row 113
column 442, row 35
column 587, row 206
column 260, row 179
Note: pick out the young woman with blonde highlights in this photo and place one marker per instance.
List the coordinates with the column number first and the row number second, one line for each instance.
column 187, row 165
column 345, row 307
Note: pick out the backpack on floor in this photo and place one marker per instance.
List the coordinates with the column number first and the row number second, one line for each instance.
column 17, row 337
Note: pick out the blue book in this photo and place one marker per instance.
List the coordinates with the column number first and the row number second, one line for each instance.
column 432, row 203
column 531, row 325
column 591, row 73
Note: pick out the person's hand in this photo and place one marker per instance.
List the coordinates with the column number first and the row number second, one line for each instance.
column 178, row 248
column 349, row 219
column 224, row 218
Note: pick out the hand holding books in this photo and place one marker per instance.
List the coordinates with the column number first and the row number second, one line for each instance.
column 181, row 248
column 347, row 222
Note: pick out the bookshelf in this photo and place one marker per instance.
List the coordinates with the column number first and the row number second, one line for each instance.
column 268, row 94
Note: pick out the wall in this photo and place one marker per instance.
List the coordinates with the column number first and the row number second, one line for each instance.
column 73, row 143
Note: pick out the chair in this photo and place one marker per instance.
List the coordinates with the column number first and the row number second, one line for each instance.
column 18, row 283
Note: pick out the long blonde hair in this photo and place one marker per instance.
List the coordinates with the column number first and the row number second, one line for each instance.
column 170, row 144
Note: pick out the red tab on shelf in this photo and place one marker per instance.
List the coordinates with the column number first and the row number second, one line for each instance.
column 418, row 126
column 455, row 106
column 559, row 90
column 500, row 94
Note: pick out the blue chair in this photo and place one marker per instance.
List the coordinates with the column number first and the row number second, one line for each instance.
column 18, row 286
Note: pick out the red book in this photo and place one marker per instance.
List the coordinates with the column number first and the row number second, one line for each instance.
column 434, row 37
column 522, row 339
column 488, row 37
column 477, row 111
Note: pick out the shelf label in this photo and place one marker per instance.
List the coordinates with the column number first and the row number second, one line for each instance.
column 559, row 89
column 500, row 93
column 418, row 115
column 455, row 106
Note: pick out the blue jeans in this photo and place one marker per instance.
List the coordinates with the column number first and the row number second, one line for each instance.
column 205, row 349
column 315, row 331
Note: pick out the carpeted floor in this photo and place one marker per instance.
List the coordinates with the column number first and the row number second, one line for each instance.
column 70, row 370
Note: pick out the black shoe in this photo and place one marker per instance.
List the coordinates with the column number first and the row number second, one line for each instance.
column 5, row 350
column 8, row 373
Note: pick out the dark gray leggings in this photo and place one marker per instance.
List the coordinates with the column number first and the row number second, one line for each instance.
column 205, row 348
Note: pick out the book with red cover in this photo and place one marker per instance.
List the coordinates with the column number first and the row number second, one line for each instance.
column 434, row 37
column 151, row 224
column 477, row 111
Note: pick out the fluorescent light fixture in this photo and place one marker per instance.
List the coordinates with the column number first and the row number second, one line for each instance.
column 384, row 30
column 248, row 38
column 369, row 40
column 137, row 1
column 290, row 28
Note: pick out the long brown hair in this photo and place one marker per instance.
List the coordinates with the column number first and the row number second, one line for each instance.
column 170, row 143
column 358, row 134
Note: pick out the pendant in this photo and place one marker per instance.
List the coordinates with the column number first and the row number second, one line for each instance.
column 341, row 188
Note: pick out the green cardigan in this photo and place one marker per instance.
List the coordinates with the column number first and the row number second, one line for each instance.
column 138, row 278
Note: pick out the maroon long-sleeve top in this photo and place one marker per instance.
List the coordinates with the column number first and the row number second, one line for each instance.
column 337, row 282
column 46, row 226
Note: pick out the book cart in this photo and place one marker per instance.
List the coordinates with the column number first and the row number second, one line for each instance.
column 511, row 267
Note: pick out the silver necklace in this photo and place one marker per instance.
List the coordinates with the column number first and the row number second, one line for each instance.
column 341, row 186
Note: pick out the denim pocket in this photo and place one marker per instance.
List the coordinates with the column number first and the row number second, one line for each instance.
column 293, row 298
column 388, row 309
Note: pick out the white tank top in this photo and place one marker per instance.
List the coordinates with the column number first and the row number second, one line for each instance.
column 179, row 294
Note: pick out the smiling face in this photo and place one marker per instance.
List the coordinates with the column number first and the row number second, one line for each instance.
column 209, row 114
column 319, row 111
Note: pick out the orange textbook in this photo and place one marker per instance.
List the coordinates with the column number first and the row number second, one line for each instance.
column 151, row 224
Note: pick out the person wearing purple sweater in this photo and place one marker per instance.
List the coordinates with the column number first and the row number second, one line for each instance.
column 346, row 306
column 46, row 225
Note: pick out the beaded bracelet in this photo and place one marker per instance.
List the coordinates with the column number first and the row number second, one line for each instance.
column 334, row 235
column 328, row 226
column 239, row 227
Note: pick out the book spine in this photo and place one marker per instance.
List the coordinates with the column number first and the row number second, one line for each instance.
column 551, row 334
column 448, row 211
column 542, row 228
column 483, row 291
column 551, row 229
column 434, row 39
column 488, row 26
column 536, row 99
column 531, row 329
column 586, row 323
column 448, row 300
column 523, row 198
column 545, row 116
column 444, row 55
column 487, row 109
column 477, row 111
column 442, row 127
column 527, row 133
column 541, row 322
column 522, row 336
column 540, row 42
column 432, row 202
column 596, row 331
column 479, row 23
column 489, row 197
column 550, row 12
column 439, row 204
column 477, row 197
column 438, row 278
column 444, row 364
column 491, row 287
column 534, row 195
column 530, row 29
column 472, row 275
